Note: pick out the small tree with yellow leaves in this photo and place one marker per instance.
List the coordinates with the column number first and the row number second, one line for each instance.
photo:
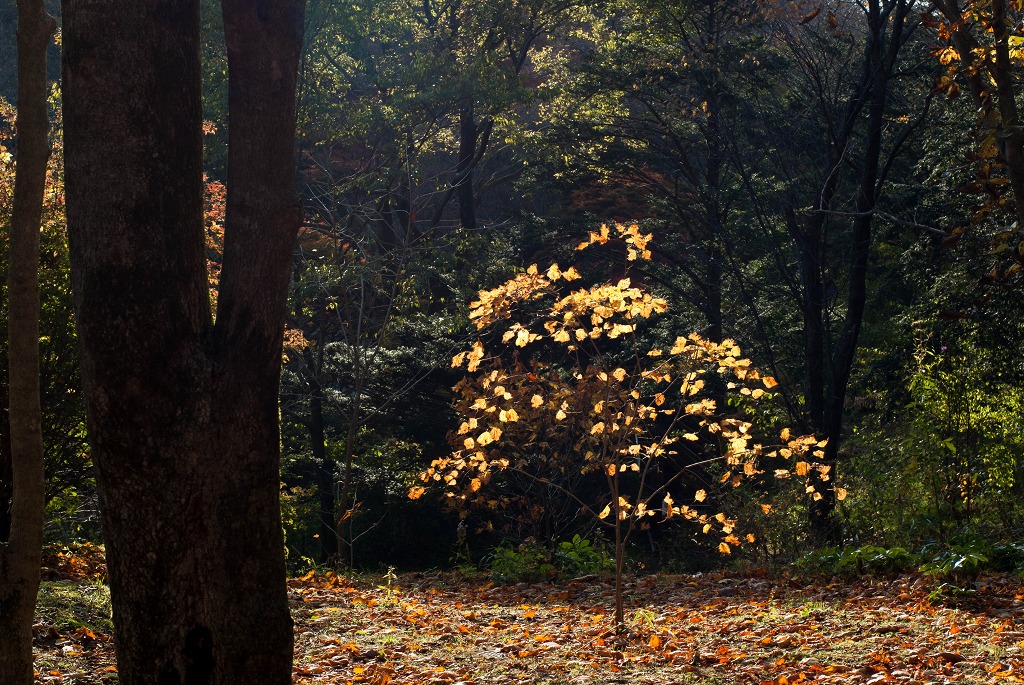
column 557, row 395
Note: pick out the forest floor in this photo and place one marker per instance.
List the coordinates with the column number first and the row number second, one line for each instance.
column 445, row 629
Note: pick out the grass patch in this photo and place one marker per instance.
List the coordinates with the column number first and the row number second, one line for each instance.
column 67, row 605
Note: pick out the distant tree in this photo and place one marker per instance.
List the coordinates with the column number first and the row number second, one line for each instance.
column 182, row 406
column 21, row 530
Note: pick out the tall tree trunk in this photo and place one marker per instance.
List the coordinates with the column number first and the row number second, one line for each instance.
column 882, row 55
column 182, row 413
column 21, row 545
column 715, row 213
column 325, row 468
column 464, row 167
column 1011, row 131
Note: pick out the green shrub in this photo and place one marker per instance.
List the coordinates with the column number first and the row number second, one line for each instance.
column 532, row 562
column 577, row 557
column 955, row 567
column 855, row 561
column 529, row 562
column 957, row 563
column 1008, row 557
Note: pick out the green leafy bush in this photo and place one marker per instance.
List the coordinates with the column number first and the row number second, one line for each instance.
column 529, row 562
column 532, row 562
column 577, row 557
column 958, row 563
column 854, row 561
column 1008, row 557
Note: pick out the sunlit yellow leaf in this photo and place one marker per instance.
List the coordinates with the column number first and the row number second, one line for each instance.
column 416, row 492
column 841, row 494
column 724, row 548
column 536, row 401
column 700, row 496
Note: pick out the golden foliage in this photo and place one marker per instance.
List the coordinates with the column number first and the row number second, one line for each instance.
column 598, row 417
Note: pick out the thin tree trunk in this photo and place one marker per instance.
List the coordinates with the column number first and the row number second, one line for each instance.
column 465, row 164
column 882, row 56
column 182, row 412
column 318, row 445
column 21, row 547
column 345, row 507
column 620, row 556
column 1012, row 133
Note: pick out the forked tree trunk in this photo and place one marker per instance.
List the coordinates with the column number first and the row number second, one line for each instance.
column 22, row 543
column 182, row 413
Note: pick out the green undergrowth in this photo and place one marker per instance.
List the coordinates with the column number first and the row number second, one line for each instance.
column 67, row 605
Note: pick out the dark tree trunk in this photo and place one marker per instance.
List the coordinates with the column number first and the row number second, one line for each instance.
column 21, row 542
column 325, row 468
column 881, row 55
column 182, row 413
column 464, row 167
column 715, row 214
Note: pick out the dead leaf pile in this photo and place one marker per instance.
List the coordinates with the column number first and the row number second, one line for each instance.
column 444, row 629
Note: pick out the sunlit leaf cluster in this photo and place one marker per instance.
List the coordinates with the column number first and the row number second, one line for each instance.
column 571, row 390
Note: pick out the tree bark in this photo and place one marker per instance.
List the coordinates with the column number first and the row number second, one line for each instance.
column 325, row 468
column 881, row 57
column 21, row 545
column 464, row 167
column 182, row 413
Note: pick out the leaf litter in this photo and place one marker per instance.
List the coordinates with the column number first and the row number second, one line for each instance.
column 716, row 629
